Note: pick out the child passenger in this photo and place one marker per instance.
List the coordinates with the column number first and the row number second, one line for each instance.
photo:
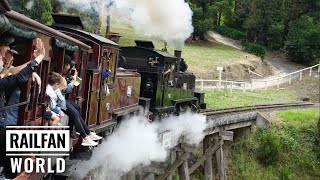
column 54, row 82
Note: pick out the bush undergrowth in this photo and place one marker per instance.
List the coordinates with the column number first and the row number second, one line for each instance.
column 255, row 49
column 288, row 150
column 230, row 32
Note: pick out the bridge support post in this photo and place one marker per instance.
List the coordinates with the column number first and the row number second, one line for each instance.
column 183, row 169
column 172, row 159
column 208, row 174
column 220, row 164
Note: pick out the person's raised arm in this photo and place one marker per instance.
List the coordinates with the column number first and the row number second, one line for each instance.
column 40, row 51
column 17, row 69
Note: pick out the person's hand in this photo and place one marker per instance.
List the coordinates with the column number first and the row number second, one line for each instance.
column 74, row 77
column 6, row 69
column 36, row 77
column 40, row 50
column 61, row 114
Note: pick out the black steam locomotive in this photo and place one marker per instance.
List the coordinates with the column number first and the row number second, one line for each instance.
column 164, row 80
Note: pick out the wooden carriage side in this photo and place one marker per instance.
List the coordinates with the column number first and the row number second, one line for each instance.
column 25, row 31
column 106, row 100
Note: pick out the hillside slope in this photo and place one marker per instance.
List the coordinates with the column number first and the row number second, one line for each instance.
column 202, row 57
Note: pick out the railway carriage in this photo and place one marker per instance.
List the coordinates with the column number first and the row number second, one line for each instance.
column 32, row 97
column 112, row 93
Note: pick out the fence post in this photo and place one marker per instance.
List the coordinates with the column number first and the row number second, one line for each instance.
column 300, row 75
column 319, row 68
column 202, row 85
column 278, row 85
column 266, row 85
column 252, row 84
column 290, row 79
column 310, row 72
column 244, row 87
column 231, row 87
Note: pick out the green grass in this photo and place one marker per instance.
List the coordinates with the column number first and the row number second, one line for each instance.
column 201, row 57
column 298, row 156
column 299, row 117
column 223, row 99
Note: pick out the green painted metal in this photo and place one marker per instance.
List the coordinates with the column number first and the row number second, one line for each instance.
column 64, row 45
column 7, row 27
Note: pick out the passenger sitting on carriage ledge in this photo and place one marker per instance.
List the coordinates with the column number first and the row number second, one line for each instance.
column 54, row 81
column 73, row 110
column 9, row 82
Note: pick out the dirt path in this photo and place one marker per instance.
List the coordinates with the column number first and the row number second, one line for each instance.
column 280, row 65
column 225, row 40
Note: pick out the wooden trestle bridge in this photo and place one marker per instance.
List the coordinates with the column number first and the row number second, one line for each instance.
column 222, row 124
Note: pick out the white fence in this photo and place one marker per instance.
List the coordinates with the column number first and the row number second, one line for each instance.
column 255, row 83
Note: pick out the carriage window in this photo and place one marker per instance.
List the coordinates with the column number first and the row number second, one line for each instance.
column 112, row 61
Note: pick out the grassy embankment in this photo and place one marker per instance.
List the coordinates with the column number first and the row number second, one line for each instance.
column 288, row 150
column 224, row 99
column 200, row 56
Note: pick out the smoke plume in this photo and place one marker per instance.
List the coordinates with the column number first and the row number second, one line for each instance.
column 136, row 143
column 167, row 20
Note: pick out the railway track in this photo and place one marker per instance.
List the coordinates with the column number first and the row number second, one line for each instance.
column 210, row 112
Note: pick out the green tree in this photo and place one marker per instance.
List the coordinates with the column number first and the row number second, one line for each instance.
column 303, row 41
column 200, row 20
column 207, row 13
column 39, row 10
column 57, row 6
column 42, row 11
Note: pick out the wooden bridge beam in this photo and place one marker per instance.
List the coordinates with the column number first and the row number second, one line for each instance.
column 207, row 155
column 171, row 168
column 208, row 174
column 183, row 170
column 172, row 160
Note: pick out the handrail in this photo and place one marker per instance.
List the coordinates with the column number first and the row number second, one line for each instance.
column 253, row 81
column 287, row 75
column 14, row 105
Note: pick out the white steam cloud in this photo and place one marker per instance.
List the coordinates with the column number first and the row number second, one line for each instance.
column 168, row 20
column 136, row 143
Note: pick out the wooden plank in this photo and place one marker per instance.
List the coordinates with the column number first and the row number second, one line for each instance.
column 183, row 170
column 220, row 163
column 149, row 177
column 188, row 148
column 172, row 159
column 208, row 163
column 208, row 154
column 227, row 135
column 171, row 168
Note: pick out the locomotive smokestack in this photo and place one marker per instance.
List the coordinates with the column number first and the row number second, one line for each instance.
column 177, row 53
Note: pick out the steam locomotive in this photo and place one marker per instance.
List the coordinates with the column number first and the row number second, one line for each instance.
column 163, row 79
column 142, row 78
